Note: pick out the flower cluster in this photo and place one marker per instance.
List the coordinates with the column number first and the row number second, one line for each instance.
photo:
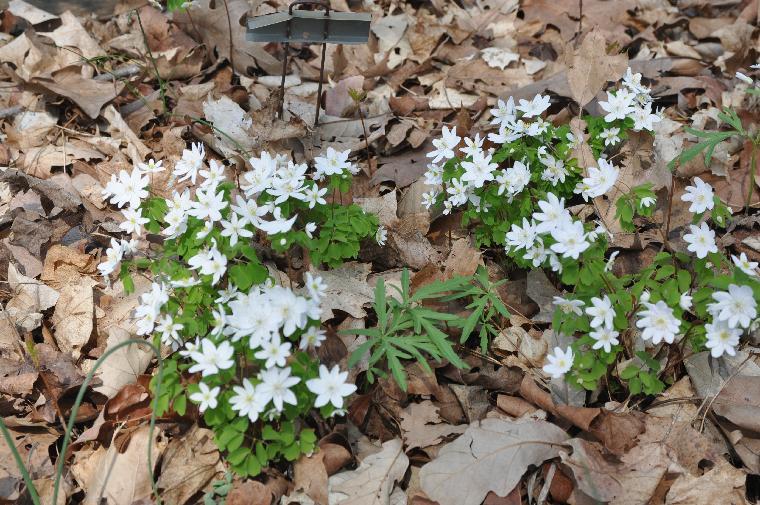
column 247, row 343
column 530, row 163
column 671, row 305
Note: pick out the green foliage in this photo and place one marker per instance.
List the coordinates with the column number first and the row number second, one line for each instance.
column 340, row 236
column 710, row 140
column 409, row 329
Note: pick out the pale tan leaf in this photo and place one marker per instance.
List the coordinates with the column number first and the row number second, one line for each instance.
column 74, row 315
column 423, row 426
column 347, row 290
column 590, row 67
column 123, row 366
column 188, row 464
column 492, row 455
column 121, row 478
column 373, row 482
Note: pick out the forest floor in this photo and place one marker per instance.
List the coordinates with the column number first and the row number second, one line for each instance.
column 85, row 96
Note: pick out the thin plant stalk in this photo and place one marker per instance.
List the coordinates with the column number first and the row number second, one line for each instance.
column 161, row 83
column 229, row 28
column 78, row 402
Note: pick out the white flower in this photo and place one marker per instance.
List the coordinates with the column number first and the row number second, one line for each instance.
column 516, row 178
column 644, row 118
column 127, row 188
column 618, row 105
column 737, row 306
column 209, row 262
column 701, row 240
column 234, row 229
column 190, row 348
column 479, row 170
column 133, row 220
column 505, row 135
column 610, row 136
column 536, row 253
column 278, row 225
column 555, row 263
column 185, row 283
column 504, row 113
column 611, row 261
column 151, row 167
column 554, row 171
column 647, row 202
column 209, row 204
column 605, row 338
column 602, row 312
column 559, row 363
column 721, row 338
column 428, row 199
column 570, row 240
column 309, row 229
column 534, row 107
column 381, row 235
column 114, row 255
column 645, row 296
column 444, row 146
column 169, row 332
column 458, row 191
column 658, row 323
column 275, row 387
column 553, row 215
column 601, row 179
column 744, row 78
column 213, row 176
column 745, row 265
column 685, row 301
column 521, row 237
column 633, row 82
column 210, row 359
column 205, row 397
column 314, row 196
column 246, row 401
column 191, row 163
column 568, row 306
column 472, row 146
column 330, row 387
column 315, row 285
column 249, row 210
column 332, row 163
column 312, row 337
column 274, row 352
column 700, row 195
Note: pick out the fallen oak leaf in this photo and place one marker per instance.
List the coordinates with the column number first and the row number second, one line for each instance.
column 590, row 67
column 491, row 455
column 372, row 483
column 423, row 426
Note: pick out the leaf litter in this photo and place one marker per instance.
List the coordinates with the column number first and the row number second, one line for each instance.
column 495, row 434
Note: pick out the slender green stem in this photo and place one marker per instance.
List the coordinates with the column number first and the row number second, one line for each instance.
column 161, row 83
column 80, row 397
column 20, row 464
column 222, row 132
column 72, row 419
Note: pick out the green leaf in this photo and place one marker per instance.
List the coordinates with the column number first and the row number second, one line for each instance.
column 380, row 306
column 238, row 455
column 629, row 372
